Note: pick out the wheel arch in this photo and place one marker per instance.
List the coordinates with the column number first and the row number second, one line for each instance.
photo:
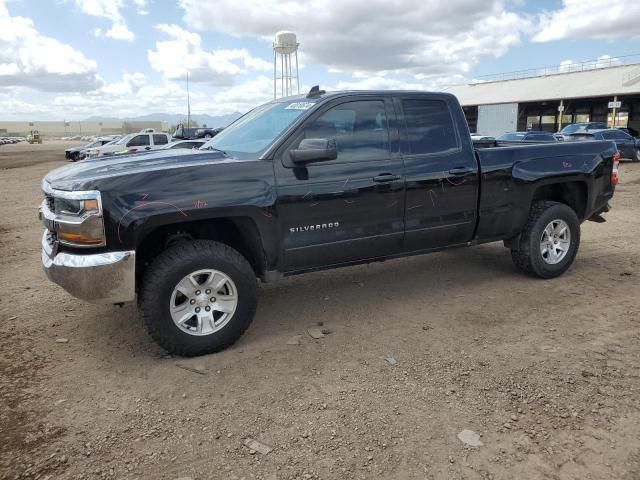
column 240, row 233
column 574, row 193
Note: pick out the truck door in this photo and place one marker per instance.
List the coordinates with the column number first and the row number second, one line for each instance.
column 441, row 173
column 350, row 208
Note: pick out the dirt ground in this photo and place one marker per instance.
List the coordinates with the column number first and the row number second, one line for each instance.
column 420, row 349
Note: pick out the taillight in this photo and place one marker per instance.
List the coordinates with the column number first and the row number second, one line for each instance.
column 614, row 170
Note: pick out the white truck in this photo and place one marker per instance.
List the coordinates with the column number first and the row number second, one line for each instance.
column 134, row 142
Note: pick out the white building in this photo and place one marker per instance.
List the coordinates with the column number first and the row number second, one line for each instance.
column 548, row 99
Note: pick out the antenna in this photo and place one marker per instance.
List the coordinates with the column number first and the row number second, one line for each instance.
column 285, row 50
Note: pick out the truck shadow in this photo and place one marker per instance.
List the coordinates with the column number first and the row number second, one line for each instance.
column 342, row 296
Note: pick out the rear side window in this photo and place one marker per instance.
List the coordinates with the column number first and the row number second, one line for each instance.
column 620, row 135
column 160, row 139
column 139, row 141
column 429, row 126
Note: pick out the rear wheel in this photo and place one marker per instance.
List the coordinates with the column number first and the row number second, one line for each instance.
column 198, row 297
column 549, row 242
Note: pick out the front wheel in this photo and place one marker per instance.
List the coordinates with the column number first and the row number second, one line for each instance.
column 198, row 297
column 549, row 241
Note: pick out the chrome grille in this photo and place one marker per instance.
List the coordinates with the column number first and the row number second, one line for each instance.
column 51, row 238
column 49, row 201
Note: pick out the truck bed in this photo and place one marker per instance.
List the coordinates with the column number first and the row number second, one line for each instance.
column 511, row 175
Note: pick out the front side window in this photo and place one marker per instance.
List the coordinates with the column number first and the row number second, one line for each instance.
column 429, row 126
column 139, row 141
column 359, row 129
column 160, row 139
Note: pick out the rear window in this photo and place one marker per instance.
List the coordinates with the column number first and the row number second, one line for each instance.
column 512, row 136
column 429, row 126
column 541, row 137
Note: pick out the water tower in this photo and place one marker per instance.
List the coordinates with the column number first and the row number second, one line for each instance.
column 285, row 50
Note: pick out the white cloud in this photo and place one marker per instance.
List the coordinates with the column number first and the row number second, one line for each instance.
column 28, row 58
column 183, row 53
column 590, row 19
column 414, row 36
column 131, row 83
column 119, row 31
column 141, row 5
column 111, row 10
column 603, row 61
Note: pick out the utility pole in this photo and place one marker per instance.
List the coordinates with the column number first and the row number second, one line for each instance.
column 188, row 104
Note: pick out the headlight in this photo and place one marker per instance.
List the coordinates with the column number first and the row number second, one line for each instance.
column 75, row 217
column 67, row 206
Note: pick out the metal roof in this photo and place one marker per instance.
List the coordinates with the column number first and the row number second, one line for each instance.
column 601, row 82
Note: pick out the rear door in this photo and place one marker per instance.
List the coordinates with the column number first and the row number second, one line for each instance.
column 351, row 208
column 160, row 140
column 441, row 173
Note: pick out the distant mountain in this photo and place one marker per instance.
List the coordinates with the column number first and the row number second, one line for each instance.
column 173, row 119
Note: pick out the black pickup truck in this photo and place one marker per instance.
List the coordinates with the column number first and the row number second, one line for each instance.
column 302, row 184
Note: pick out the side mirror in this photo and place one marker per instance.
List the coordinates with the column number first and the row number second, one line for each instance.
column 314, row 150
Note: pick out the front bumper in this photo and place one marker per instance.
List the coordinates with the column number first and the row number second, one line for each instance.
column 96, row 278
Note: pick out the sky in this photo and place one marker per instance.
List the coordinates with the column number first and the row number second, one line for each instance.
column 72, row 59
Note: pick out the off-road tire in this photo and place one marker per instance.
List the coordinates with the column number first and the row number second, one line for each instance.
column 527, row 256
column 168, row 268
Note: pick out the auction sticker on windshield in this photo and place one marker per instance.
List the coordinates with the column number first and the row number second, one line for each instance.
column 299, row 106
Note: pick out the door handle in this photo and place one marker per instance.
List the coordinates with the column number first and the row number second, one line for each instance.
column 461, row 171
column 147, row 148
column 386, row 177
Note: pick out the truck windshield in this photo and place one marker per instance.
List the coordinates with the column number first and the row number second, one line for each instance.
column 574, row 127
column 255, row 131
column 123, row 140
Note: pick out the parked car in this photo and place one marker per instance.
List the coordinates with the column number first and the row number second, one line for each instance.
column 190, row 133
column 581, row 127
column 630, row 131
column 628, row 146
column 207, row 132
column 78, row 153
column 482, row 141
column 302, row 184
column 134, row 142
column 530, row 136
column 188, row 144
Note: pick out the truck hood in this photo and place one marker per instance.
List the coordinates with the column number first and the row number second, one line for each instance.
column 83, row 175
